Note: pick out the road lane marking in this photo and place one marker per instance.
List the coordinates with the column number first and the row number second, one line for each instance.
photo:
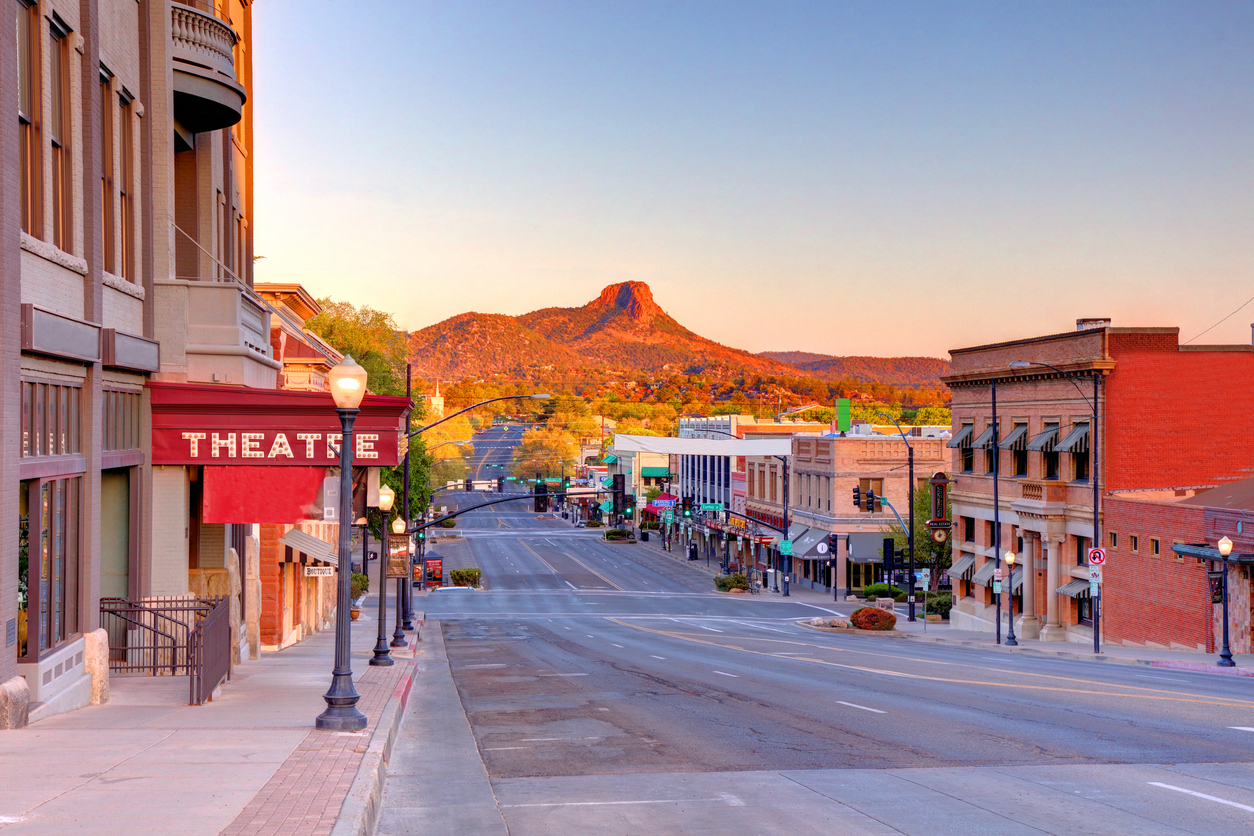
column 663, row 658
column 551, row 739
column 561, row 674
column 725, row 798
column 732, row 675
column 1227, row 702
column 507, row 748
column 1195, row 794
column 760, row 627
column 501, row 665
column 590, row 569
column 571, row 585
column 616, row 645
column 1164, row 678
column 1242, row 728
column 863, row 707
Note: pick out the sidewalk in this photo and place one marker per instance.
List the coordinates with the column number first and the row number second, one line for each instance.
column 249, row 762
column 942, row 633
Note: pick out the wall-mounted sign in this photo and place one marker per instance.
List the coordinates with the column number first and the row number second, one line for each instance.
column 319, row 571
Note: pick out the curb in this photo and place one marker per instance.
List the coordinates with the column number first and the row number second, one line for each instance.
column 360, row 812
column 1196, row 667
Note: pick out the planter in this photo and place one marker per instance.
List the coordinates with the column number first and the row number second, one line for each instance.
column 354, row 613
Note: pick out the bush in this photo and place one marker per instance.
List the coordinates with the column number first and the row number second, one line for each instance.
column 593, row 524
column 465, row 577
column 447, row 523
column 615, row 534
column 873, row 618
column 882, row 590
column 651, row 526
column 358, row 585
column 726, row 583
column 940, row 603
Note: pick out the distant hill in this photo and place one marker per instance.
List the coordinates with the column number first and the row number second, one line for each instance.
column 623, row 328
column 901, row 371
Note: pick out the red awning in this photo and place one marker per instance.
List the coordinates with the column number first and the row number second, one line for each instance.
column 234, row 425
column 262, row 494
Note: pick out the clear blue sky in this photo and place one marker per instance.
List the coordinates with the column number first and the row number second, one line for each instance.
column 841, row 177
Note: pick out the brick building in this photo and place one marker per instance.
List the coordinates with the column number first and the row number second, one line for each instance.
column 1045, row 465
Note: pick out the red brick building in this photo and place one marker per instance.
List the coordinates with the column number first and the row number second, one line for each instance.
column 1045, row 462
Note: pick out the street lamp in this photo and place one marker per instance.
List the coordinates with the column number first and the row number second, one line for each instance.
column 910, row 502
column 398, row 635
column 1097, row 538
column 348, row 387
column 1225, row 656
column 382, row 658
column 1010, row 599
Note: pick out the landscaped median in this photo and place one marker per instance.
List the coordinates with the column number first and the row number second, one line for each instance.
column 874, row 620
column 618, row 535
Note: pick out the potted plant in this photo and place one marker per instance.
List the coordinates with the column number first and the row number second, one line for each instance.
column 359, row 585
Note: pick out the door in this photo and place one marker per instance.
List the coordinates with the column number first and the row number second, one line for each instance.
column 115, row 534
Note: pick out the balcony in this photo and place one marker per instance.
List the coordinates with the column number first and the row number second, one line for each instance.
column 207, row 95
column 215, row 331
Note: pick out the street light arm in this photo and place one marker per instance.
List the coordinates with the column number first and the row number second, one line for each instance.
column 900, row 431
column 1071, row 377
column 476, row 406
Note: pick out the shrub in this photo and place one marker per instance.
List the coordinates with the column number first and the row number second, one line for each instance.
column 940, row 603
column 447, row 523
column 358, row 585
column 726, row 583
column 468, row 576
column 593, row 524
column 873, row 618
column 883, row 590
column 615, row 534
column 651, row 526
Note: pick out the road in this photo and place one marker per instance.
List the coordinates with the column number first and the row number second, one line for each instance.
column 606, row 689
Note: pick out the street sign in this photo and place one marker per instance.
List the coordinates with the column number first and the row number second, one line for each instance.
column 1097, row 556
column 669, row 516
column 785, row 547
column 1093, row 588
column 997, row 575
column 1095, row 574
column 664, row 503
column 711, row 506
column 821, row 547
column 925, row 576
column 996, row 587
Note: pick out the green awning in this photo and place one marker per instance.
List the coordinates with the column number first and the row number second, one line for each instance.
column 655, row 472
column 606, row 506
column 609, row 459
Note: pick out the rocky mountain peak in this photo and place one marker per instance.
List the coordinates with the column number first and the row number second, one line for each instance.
column 633, row 298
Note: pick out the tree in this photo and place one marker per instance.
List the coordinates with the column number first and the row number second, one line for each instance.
column 927, row 552
column 545, row 450
column 370, row 336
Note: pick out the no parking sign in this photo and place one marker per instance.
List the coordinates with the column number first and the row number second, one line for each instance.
column 1097, row 557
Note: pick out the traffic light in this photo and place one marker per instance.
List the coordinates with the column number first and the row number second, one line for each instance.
column 857, row 497
column 890, row 553
column 873, row 502
column 500, row 484
column 469, row 483
column 687, row 506
column 541, row 493
column 422, row 535
column 618, row 484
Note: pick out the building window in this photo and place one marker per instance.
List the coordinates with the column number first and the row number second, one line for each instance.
column 126, row 188
column 1084, row 610
column 749, row 473
column 59, row 136
column 990, row 457
column 50, row 418
column 1114, row 540
column 1154, row 547
column 968, row 529
column 1051, row 464
column 1081, row 551
column 968, row 459
column 27, row 105
column 108, row 226
column 1080, row 459
column 1134, row 543
column 876, row 485
column 121, row 420
column 1021, row 463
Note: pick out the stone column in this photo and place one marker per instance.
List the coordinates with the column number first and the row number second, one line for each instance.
column 1053, row 631
column 1029, row 623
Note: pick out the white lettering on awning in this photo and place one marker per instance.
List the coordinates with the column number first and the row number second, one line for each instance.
column 280, row 447
column 228, row 443
column 248, row 443
column 195, row 439
column 309, row 439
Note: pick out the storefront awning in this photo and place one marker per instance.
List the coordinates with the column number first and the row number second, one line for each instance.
column 1016, row 440
column 609, row 459
column 1076, row 441
column 961, row 566
column 963, row 437
column 262, row 494
column 1078, row 588
column 804, row 546
column 984, row 574
column 655, row 472
column 310, row 546
column 985, row 439
column 235, row 425
column 1044, row 442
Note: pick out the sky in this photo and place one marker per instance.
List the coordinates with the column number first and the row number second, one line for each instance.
column 868, row 178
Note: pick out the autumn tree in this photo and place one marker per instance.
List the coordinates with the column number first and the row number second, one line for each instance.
column 370, row 336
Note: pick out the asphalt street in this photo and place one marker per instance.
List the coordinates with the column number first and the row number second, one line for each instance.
column 607, row 689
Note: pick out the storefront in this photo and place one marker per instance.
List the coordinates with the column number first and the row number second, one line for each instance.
column 247, row 480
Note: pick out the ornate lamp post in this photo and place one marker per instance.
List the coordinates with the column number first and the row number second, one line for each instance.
column 348, row 387
column 1010, row 599
column 1225, row 655
column 382, row 657
column 398, row 635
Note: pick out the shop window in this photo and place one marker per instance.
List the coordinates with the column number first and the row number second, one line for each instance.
column 1084, row 610
column 968, row 529
column 48, row 564
column 50, row 419
column 121, row 420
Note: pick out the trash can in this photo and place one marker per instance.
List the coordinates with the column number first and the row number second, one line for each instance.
column 644, row 536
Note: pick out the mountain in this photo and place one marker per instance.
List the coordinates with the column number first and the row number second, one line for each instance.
column 911, row 371
column 623, row 328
